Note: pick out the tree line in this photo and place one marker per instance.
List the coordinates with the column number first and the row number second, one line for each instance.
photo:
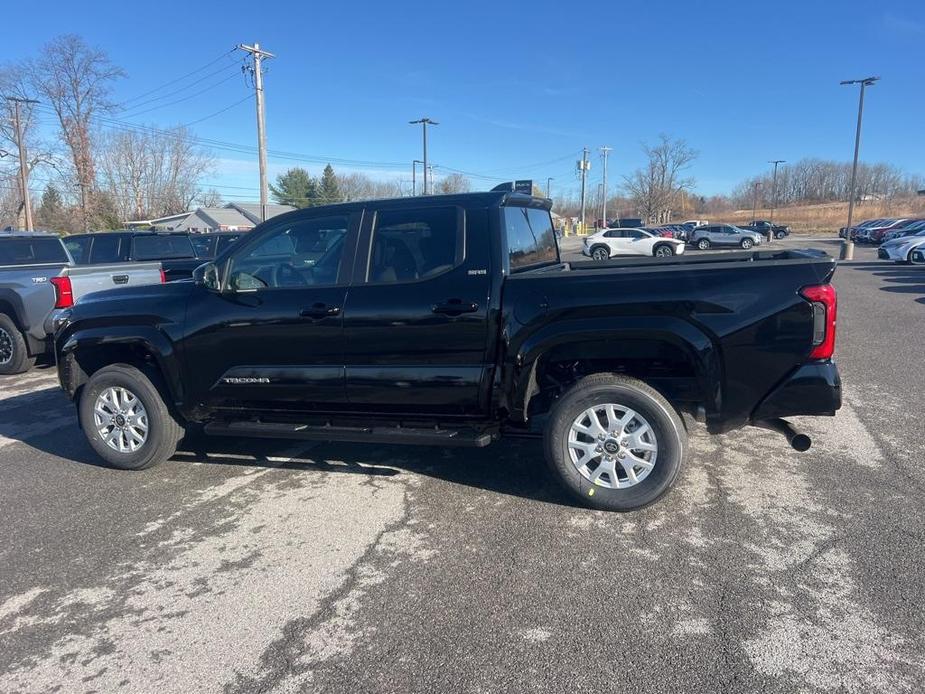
column 89, row 177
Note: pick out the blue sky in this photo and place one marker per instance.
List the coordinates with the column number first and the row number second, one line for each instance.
column 519, row 88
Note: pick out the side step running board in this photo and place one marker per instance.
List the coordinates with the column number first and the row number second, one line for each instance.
column 399, row 435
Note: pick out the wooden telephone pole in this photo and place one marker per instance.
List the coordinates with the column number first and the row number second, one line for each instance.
column 23, row 162
column 258, row 55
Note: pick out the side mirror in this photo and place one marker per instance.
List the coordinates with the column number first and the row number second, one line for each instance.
column 206, row 275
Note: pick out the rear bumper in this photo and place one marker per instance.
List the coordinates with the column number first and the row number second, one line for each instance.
column 812, row 389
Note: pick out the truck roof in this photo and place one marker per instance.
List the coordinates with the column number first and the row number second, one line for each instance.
column 14, row 233
column 481, row 199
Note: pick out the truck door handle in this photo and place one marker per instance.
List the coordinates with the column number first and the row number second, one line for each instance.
column 455, row 307
column 319, row 311
column 120, row 279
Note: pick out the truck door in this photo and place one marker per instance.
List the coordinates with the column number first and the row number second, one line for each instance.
column 272, row 339
column 415, row 321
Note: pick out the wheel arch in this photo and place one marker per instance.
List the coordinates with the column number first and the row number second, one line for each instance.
column 671, row 354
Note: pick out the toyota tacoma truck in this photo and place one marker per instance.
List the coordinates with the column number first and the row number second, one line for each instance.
column 452, row 320
column 36, row 280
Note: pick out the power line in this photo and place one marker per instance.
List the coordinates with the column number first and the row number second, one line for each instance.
column 178, row 91
column 180, row 101
column 179, row 79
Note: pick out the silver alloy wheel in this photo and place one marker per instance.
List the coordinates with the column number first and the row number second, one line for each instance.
column 612, row 446
column 6, row 347
column 663, row 251
column 747, row 243
column 121, row 419
column 703, row 244
column 600, row 254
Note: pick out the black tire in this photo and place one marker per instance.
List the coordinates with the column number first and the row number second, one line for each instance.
column 663, row 250
column 746, row 244
column 779, row 235
column 164, row 432
column 703, row 244
column 668, row 428
column 600, row 251
column 14, row 354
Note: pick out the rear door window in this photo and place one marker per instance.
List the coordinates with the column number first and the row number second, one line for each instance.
column 163, row 247
column 106, row 248
column 31, row 251
column 79, row 249
column 416, row 244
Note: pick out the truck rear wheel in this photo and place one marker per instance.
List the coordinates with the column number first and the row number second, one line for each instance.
column 615, row 443
column 126, row 420
column 14, row 354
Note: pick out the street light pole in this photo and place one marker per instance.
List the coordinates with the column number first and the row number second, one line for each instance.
column 414, row 169
column 605, row 150
column 774, row 187
column 847, row 248
column 549, row 180
column 424, row 122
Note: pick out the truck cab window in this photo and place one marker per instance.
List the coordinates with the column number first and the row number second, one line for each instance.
column 411, row 245
column 299, row 254
column 531, row 238
column 78, row 249
column 105, row 248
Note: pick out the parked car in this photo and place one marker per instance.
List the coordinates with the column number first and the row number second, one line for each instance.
column 910, row 228
column 626, row 223
column 711, row 235
column 900, row 250
column 207, row 246
column 873, row 233
column 173, row 249
column 36, row 277
column 851, row 232
column 609, row 243
column 692, row 224
column 765, row 227
column 674, row 231
column 462, row 326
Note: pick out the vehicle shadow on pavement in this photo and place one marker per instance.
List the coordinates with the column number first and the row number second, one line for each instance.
column 514, row 468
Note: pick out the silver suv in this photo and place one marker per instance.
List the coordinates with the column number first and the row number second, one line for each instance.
column 724, row 235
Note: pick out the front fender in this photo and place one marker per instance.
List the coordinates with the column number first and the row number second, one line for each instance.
column 78, row 348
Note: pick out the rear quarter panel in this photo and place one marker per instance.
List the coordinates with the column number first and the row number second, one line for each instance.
column 744, row 324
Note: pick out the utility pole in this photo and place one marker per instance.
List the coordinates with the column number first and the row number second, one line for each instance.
column 414, row 170
column 756, row 185
column 23, row 162
column 774, row 186
column 549, row 179
column 847, row 248
column 429, row 177
column 605, row 150
column 257, row 69
column 583, row 167
column 424, row 122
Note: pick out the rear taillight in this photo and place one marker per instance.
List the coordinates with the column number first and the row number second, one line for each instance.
column 163, row 276
column 64, row 294
column 825, row 305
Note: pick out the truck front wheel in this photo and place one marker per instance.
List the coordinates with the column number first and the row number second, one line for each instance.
column 615, row 443
column 14, row 355
column 126, row 420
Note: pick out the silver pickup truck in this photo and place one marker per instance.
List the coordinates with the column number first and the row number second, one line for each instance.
column 37, row 280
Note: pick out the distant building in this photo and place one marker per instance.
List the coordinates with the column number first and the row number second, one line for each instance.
column 231, row 217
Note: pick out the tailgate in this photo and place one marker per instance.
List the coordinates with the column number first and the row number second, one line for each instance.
column 94, row 278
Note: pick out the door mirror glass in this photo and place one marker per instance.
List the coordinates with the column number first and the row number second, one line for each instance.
column 206, row 275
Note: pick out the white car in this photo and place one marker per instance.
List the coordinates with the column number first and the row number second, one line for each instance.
column 608, row 243
column 900, row 250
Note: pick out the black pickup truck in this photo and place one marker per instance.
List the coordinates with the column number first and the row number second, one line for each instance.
column 452, row 321
column 763, row 226
column 173, row 249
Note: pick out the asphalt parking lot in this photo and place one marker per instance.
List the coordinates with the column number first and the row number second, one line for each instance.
column 249, row 566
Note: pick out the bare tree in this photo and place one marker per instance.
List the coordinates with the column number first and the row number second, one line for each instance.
column 76, row 81
column 358, row 186
column 656, row 188
column 210, row 198
column 152, row 173
column 454, row 183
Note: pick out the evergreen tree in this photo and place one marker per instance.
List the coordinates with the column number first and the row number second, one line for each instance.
column 296, row 188
column 329, row 190
column 51, row 214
